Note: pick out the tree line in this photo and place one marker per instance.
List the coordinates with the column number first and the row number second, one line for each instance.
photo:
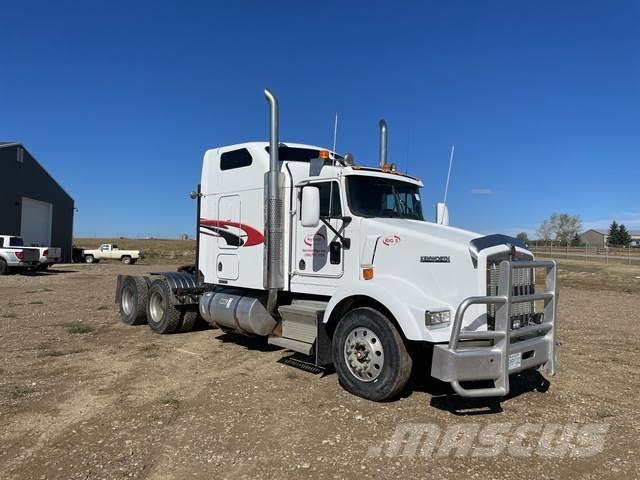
column 564, row 229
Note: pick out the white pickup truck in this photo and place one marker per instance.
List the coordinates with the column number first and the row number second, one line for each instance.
column 49, row 256
column 109, row 251
column 15, row 256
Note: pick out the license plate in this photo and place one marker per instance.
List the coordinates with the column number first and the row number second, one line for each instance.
column 515, row 360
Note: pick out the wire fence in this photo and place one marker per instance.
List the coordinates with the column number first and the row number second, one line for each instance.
column 134, row 236
column 619, row 255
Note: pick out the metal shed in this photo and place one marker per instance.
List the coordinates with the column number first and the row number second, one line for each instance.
column 32, row 204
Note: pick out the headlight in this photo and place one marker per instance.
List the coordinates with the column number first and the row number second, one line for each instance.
column 439, row 318
column 516, row 322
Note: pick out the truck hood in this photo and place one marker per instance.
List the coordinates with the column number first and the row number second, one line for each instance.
column 431, row 267
column 429, row 233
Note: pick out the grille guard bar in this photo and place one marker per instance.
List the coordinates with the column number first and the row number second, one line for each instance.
column 456, row 362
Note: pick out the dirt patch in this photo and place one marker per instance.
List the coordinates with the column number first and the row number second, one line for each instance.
column 121, row 402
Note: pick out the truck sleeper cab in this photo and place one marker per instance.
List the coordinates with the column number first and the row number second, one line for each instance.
column 336, row 261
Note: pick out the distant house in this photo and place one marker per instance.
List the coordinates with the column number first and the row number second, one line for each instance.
column 32, row 204
column 599, row 238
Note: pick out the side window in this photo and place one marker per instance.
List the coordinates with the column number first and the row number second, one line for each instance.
column 235, row 159
column 1, row 242
column 329, row 199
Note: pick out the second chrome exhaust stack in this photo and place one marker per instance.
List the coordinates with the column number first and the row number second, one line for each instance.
column 383, row 143
column 273, row 279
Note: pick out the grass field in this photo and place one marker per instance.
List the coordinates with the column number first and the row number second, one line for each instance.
column 155, row 250
column 596, row 276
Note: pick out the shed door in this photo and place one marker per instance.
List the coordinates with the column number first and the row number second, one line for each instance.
column 35, row 226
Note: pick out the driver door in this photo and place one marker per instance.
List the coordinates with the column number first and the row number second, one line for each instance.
column 318, row 251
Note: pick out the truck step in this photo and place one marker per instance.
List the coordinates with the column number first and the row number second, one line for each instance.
column 302, row 365
column 290, row 344
column 300, row 319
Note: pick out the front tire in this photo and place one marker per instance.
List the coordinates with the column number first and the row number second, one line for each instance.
column 89, row 259
column 369, row 354
column 162, row 316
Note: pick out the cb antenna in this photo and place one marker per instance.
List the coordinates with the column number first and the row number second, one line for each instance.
column 335, row 133
column 446, row 187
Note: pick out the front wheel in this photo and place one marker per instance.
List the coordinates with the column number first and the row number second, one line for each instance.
column 89, row 258
column 370, row 356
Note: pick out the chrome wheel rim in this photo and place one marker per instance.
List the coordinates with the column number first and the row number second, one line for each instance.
column 363, row 354
column 156, row 307
column 127, row 300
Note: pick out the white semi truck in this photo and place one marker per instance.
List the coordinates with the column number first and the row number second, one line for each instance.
column 337, row 262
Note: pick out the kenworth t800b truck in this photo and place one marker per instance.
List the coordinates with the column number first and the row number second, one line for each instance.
column 337, row 262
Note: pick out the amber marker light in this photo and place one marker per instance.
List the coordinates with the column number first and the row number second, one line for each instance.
column 367, row 273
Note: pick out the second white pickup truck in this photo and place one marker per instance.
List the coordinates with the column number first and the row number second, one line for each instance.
column 109, row 251
column 49, row 256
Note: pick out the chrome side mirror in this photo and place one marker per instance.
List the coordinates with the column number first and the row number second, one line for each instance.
column 310, row 209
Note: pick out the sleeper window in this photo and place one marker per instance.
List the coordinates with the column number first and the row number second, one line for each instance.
column 235, row 159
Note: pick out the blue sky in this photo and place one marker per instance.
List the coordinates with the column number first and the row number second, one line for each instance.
column 120, row 99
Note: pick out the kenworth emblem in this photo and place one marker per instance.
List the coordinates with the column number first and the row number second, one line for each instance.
column 436, row 259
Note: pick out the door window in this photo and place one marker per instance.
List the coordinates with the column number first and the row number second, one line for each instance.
column 329, row 199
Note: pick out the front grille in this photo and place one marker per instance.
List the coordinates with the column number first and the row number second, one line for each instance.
column 523, row 284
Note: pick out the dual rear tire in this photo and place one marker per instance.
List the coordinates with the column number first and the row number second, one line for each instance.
column 142, row 302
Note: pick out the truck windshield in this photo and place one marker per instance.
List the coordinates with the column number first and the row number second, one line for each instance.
column 381, row 197
column 16, row 242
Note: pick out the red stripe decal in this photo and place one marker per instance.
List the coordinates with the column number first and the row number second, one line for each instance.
column 253, row 236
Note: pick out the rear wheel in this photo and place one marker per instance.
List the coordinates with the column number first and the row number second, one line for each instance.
column 162, row 316
column 133, row 300
column 89, row 258
column 4, row 268
column 370, row 356
column 126, row 260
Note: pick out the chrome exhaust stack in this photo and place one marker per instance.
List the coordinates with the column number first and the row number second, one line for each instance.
column 273, row 279
column 383, row 143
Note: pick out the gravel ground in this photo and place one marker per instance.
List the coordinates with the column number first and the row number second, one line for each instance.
column 83, row 396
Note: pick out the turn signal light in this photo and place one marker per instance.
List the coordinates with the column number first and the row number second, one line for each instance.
column 367, row 273
column 389, row 167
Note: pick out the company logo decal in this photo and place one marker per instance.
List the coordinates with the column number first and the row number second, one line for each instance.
column 391, row 240
column 315, row 245
column 316, row 237
column 234, row 233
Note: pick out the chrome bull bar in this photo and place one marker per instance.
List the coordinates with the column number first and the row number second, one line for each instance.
column 509, row 351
